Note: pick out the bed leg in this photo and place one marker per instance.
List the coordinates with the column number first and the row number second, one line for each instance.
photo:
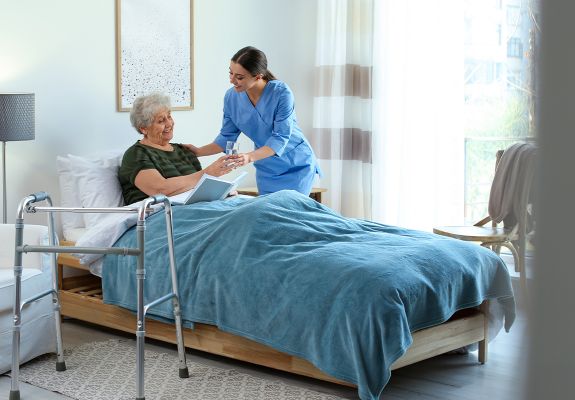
column 482, row 353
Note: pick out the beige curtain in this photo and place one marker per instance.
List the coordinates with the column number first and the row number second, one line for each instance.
column 342, row 133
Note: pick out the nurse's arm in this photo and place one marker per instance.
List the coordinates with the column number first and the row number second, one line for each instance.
column 206, row 150
column 259, row 154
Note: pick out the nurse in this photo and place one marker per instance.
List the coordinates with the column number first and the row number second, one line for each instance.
column 262, row 107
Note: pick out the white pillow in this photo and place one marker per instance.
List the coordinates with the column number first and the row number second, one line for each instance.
column 68, row 196
column 97, row 183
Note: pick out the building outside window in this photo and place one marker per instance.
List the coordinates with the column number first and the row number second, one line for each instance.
column 515, row 48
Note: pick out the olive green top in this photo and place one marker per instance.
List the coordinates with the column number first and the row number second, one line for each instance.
column 169, row 164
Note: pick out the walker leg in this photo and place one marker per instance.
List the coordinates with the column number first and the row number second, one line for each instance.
column 17, row 319
column 60, row 362
column 183, row 371
column 140, row 328
column 140, row 343
column 15, row 375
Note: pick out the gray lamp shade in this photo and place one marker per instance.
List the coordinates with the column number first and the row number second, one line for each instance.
column 17, row 120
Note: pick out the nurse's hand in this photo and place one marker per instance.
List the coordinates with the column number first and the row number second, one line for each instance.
column 219, row 167
column 239, row 160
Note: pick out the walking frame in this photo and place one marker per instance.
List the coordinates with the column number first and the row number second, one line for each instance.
column 27, row 205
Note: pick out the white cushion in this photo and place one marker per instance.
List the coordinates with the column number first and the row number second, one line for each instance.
column 97, row 184
column 89, row 181
column 38, row 325
column 33, row 235
column 69, row 196
column 38, row 330
column 7, row 280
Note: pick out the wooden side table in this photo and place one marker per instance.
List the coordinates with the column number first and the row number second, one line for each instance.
column 253, row 191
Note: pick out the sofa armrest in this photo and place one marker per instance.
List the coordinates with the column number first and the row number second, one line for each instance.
column 33, row 235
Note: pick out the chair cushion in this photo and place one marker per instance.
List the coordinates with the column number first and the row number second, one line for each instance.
column 33, row 235
column 38, row 333
column 33, row 281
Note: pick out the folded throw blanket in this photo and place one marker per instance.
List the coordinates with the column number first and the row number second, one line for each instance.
column 511, row 185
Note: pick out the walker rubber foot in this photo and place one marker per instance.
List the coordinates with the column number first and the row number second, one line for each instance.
column 60, row 366
column 184, row 373
column 14, row 395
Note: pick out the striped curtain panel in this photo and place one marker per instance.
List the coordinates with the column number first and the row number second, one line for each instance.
column 342, row 133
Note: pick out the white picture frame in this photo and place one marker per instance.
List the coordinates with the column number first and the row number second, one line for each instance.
column 154, row 51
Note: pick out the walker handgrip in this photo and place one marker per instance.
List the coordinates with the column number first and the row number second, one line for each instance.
column 159, row 198
column 39, row 196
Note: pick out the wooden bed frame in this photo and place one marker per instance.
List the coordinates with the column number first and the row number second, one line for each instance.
column 81, row 298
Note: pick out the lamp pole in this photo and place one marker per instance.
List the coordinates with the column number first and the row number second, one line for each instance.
column 4, row 182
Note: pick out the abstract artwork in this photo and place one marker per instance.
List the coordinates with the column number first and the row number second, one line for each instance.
column 154, row 51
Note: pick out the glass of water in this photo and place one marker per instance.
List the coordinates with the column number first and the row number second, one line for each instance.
column 232, row 148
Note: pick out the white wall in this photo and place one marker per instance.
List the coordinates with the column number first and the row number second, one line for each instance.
column 64, row 52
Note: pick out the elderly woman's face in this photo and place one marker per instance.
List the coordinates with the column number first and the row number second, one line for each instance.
column 161, row 131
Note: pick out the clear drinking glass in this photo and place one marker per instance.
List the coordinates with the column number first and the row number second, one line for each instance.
column 232, row 148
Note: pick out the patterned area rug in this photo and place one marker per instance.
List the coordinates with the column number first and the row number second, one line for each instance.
column 106, row 371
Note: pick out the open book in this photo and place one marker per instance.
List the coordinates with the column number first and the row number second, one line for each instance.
column 208, row 188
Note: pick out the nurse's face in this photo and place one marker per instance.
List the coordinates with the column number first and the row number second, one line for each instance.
column 242, row 79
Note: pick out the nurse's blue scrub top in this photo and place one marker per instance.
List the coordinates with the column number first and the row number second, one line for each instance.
column 272, row 122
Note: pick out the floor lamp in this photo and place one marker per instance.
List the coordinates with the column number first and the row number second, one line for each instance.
column 16, row 123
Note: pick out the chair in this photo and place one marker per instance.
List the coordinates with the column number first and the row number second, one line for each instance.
column 509, row 203
column 38, row 328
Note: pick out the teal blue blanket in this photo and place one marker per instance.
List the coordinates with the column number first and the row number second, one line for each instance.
column 288, row 272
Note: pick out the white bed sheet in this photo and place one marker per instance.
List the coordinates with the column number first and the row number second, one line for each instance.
column 105, row 233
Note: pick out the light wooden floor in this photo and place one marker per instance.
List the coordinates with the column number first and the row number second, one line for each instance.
column 447, row 377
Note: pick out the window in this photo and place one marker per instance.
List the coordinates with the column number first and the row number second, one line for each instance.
column 497, row 100
column 513, row 15
column 515, row 48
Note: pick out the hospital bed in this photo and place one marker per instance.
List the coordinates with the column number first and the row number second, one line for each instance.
column 474, row 320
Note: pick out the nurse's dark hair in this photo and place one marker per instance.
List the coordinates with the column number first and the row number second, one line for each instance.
column 254, row 61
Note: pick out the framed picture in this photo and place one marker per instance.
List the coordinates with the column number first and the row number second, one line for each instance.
column 154, row 51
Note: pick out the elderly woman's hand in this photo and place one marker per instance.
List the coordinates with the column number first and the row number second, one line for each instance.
column 219, row 167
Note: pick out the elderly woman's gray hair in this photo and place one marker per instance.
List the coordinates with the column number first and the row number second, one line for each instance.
column 146, row 107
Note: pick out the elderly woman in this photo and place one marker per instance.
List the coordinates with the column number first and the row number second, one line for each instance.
column 153, row 165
